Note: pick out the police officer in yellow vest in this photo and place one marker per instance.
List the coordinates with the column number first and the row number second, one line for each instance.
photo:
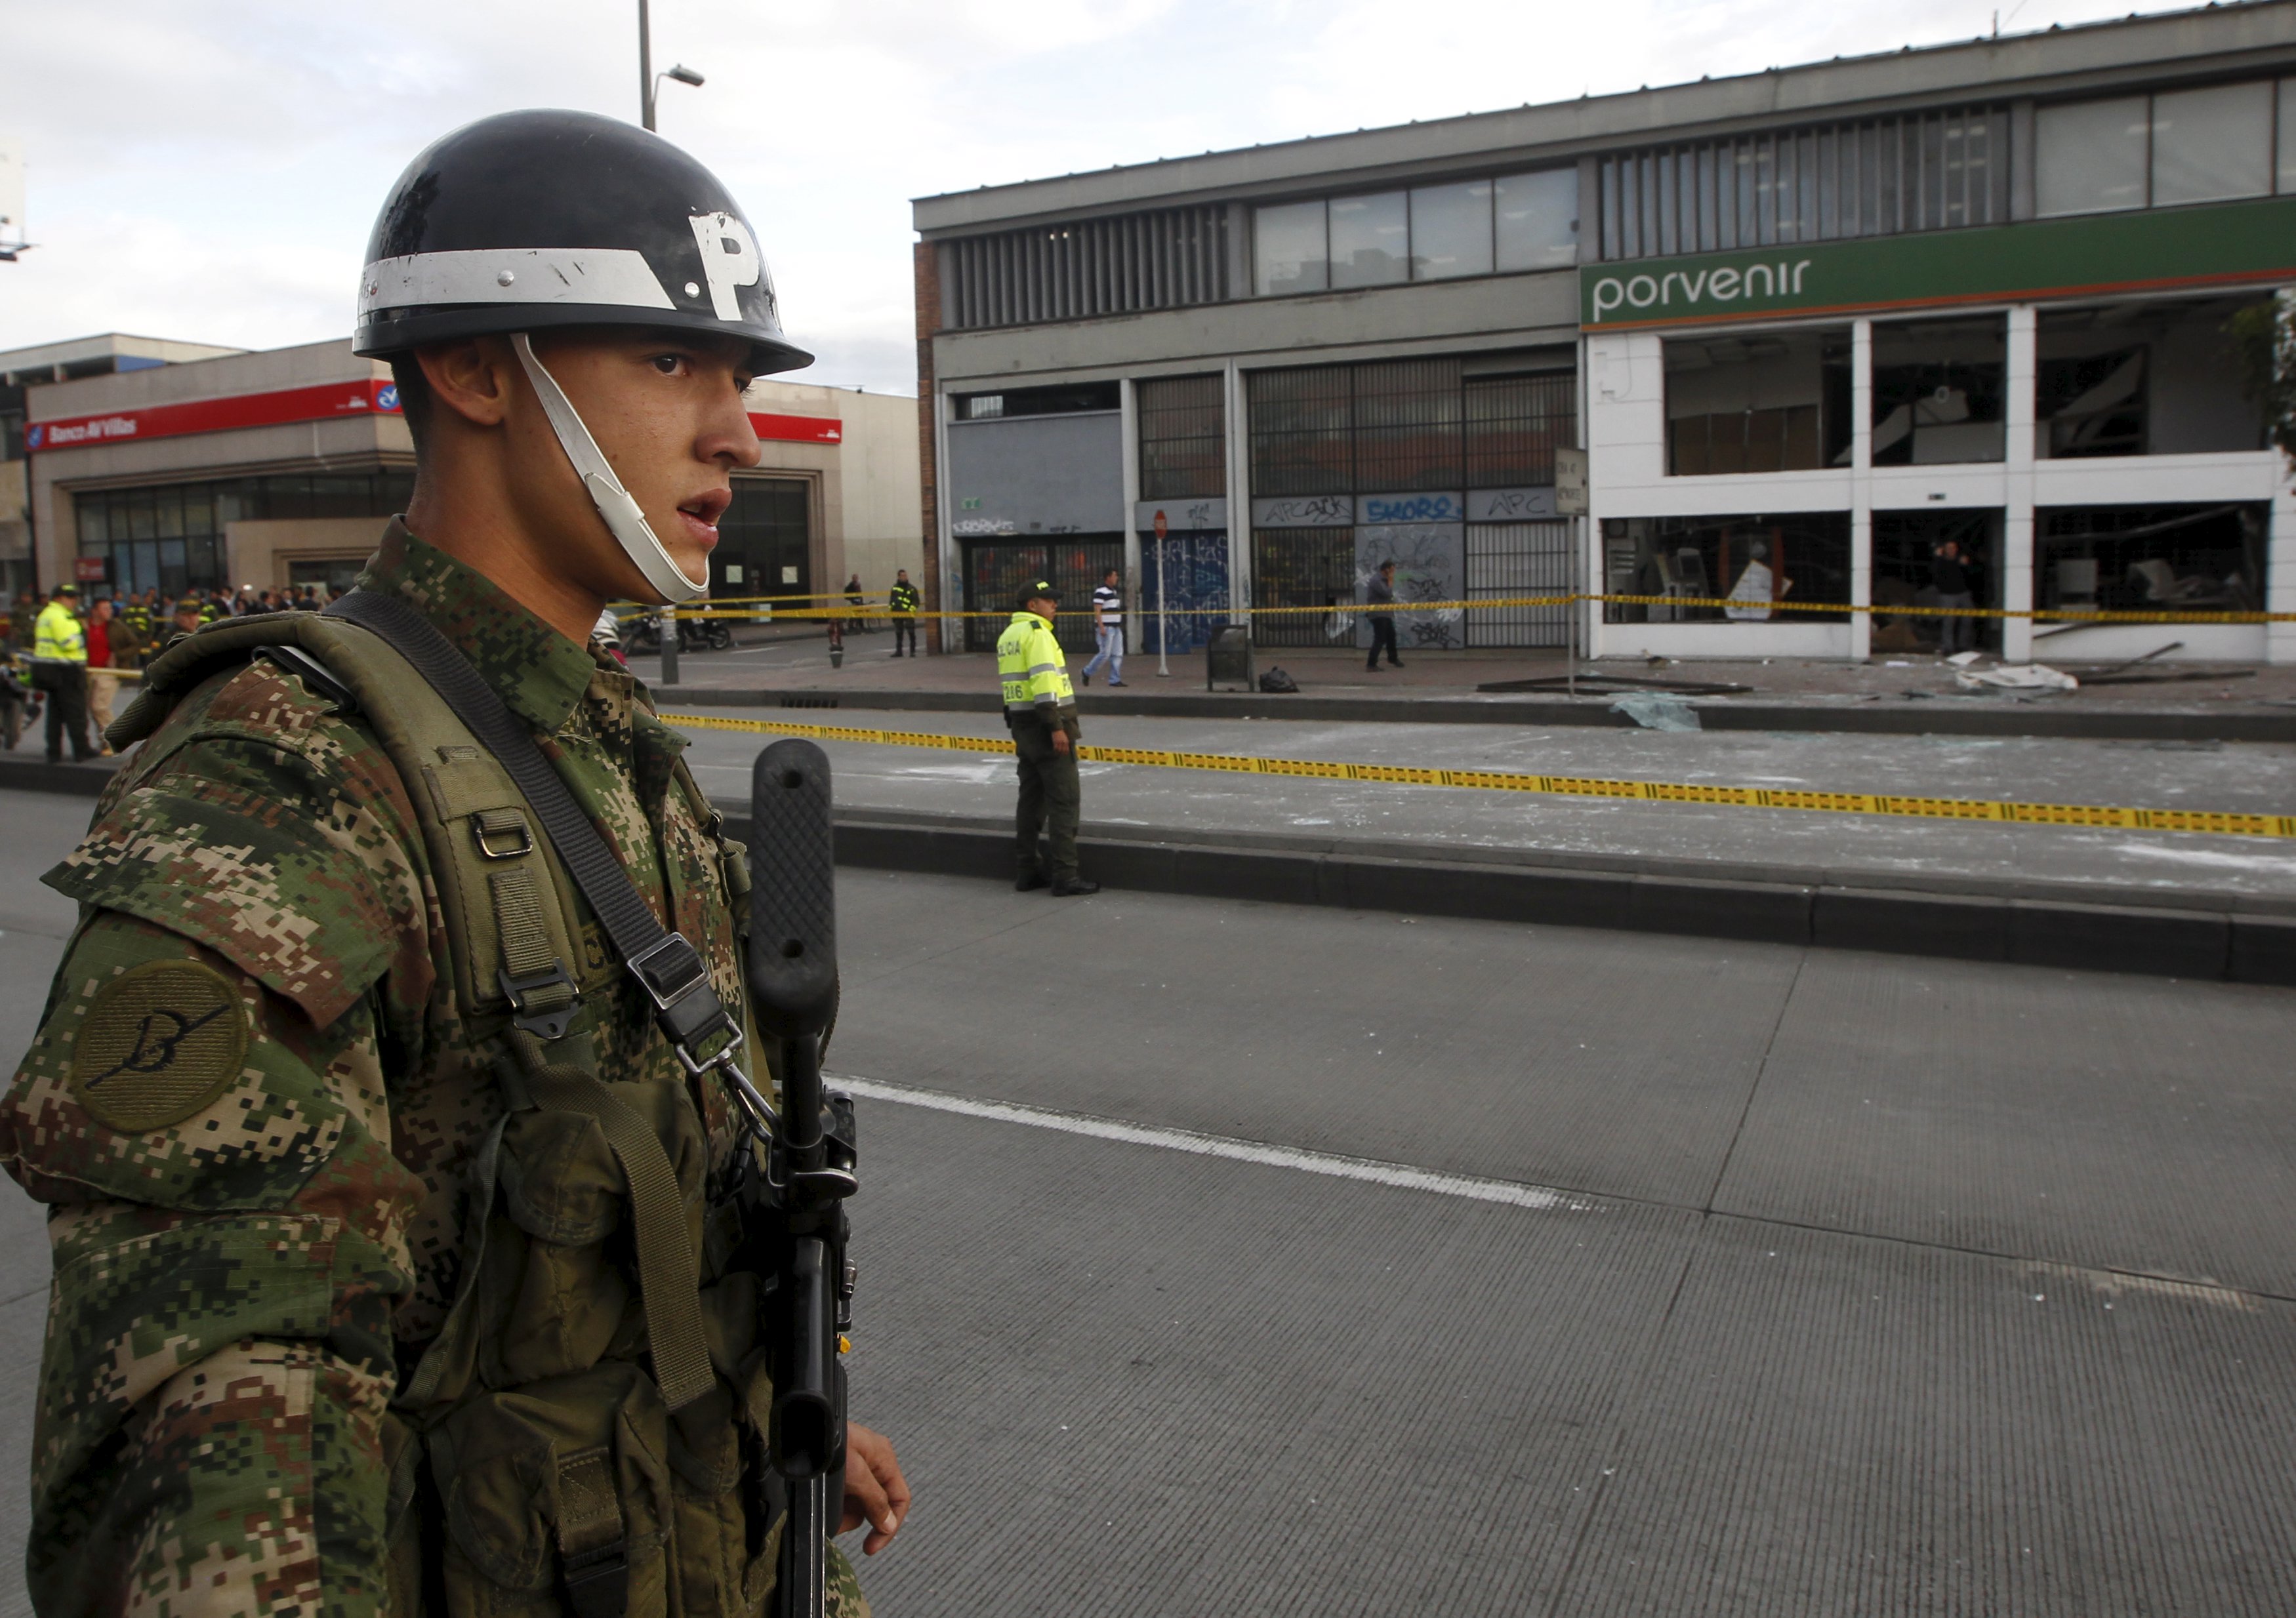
column 1040, row 710
column 60, row 668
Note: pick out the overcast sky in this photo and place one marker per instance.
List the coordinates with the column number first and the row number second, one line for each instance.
column 207, row 169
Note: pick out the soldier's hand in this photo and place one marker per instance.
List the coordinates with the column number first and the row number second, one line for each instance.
column 875, row 1491
column 1060, row 740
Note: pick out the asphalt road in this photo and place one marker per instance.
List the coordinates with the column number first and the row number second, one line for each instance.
column 2249, row 777
column 1219, row 1257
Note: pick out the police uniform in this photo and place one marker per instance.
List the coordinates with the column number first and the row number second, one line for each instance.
column 60, row 668
column 354, row 1307
column 1039, row 703
column 903, row 602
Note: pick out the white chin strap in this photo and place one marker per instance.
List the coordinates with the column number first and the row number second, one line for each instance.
column 614, row 503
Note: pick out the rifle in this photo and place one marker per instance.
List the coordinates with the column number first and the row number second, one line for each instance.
column 797, row 1212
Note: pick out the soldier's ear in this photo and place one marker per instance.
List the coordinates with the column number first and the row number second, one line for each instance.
column 471, row 378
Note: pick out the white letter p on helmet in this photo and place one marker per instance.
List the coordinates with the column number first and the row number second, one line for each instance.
column 729, row 259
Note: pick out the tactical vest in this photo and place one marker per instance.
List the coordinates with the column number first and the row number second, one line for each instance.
column 586, row 1433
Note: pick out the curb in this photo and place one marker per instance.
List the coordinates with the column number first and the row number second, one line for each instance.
column 2175, row 935
column 2158, row 933
column 1944, row 717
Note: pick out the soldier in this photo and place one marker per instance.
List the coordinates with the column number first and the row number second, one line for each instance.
column 398, row 1263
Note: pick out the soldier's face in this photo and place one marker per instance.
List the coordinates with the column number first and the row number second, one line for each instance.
column 667, row 411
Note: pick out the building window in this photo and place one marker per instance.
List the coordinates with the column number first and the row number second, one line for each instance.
column 1436, row 232
column 1768, row 402
column 2142, row 559
column 1291, row 252
column 1451, row 230
column 1914, row 567
column 2212, row 145
column 1407, row 417
column 1538, row 219
column 1071, row 400
column 2090, row 157
column 1182, row 438
column 170, row 537
column 1751, row 562
column 2284, row 166
column 765, row 540
column 2141, row 379
column 1370, row 239
column 1938, row 390
column 1922, row 171
column 2208, row 146
column 1514, row 424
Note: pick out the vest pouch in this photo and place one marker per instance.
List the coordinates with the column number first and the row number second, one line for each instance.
column 558, row 1499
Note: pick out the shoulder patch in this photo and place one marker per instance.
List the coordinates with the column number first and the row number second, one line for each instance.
column 160, row 1042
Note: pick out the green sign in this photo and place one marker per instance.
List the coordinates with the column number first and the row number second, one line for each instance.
column 2098, row 253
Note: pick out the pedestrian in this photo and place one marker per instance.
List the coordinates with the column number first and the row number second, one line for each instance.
column 1108, row 627
column 1949, row 573
column 60, row 669
column 1040, row 711
column 22, row 621
column 398, row 1188
column 856, row 598
column 1379, row 593
column 103, row 673
column 902, row 603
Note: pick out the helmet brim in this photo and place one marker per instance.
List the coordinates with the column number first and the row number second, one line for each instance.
column 388, row 332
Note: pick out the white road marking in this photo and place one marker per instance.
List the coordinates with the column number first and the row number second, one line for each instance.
column 1402, row 1176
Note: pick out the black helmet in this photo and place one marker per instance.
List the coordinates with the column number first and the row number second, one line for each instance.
column 528, row 221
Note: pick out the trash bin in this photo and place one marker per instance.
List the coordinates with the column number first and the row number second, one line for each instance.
column 1227, row 656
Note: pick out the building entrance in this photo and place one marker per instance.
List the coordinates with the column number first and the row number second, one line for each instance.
column 1922, row 557
column 996, row 571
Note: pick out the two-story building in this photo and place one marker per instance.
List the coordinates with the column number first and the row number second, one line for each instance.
column 264, row 470
column 1812, row 327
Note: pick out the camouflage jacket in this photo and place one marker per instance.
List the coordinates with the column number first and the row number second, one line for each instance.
column 248, row 1265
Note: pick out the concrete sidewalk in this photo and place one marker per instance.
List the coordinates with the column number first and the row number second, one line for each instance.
column 1885, row 696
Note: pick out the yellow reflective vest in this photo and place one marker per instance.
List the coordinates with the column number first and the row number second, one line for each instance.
column 59, row 637
column 1033, row 667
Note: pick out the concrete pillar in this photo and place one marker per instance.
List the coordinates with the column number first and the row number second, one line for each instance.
column 2017, row 486
column 1128, row 414
column 2280, row 570
column 1239, row 494
column 1861, row 488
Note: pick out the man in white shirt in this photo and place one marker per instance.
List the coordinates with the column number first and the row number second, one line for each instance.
column 1108, row 620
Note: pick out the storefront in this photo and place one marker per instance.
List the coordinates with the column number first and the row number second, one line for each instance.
column 2043, row 414
column 273, row 471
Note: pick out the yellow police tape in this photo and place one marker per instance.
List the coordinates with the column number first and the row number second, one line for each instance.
column 877, row 610
column 1564, row 786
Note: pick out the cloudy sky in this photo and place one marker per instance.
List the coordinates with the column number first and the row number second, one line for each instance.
column 207, row 169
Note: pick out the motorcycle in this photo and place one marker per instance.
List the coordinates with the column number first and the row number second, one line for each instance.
column 641, row 634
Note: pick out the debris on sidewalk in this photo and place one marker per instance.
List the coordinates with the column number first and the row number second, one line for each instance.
column 1595, row 683
column 1658, row 711
column 2016, row 677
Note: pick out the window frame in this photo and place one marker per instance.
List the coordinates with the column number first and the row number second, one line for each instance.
column 1490, row 180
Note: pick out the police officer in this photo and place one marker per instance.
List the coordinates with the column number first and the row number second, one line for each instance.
column 396, row 1279
column 902, row 603
column 60, row 668
column 1040, row 711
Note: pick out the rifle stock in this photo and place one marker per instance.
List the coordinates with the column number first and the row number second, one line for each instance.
column 792, row 979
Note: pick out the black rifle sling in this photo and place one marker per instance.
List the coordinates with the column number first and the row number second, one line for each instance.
column 668, row 969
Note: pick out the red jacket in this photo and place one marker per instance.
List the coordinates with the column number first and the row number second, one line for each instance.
column 99, row 644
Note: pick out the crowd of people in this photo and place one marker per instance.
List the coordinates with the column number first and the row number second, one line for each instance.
column 68, row 656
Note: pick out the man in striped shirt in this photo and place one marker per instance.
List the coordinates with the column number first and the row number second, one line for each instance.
column 1108, row 617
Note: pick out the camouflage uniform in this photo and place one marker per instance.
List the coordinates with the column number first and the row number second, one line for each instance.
column 244, row 1286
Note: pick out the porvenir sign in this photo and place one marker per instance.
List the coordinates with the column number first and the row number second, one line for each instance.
column 2158, row 250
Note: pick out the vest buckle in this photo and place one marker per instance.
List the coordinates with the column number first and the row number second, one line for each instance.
column 544, row 1022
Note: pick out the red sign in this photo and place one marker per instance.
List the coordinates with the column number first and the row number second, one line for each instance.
column 799, row 430
column 89, row 569
column 372, row 395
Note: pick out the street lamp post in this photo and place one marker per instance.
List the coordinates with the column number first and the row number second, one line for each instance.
column 650, row 81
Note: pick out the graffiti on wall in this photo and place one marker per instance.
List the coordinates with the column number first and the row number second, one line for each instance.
column 1196, row 571
column 1429, row 561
